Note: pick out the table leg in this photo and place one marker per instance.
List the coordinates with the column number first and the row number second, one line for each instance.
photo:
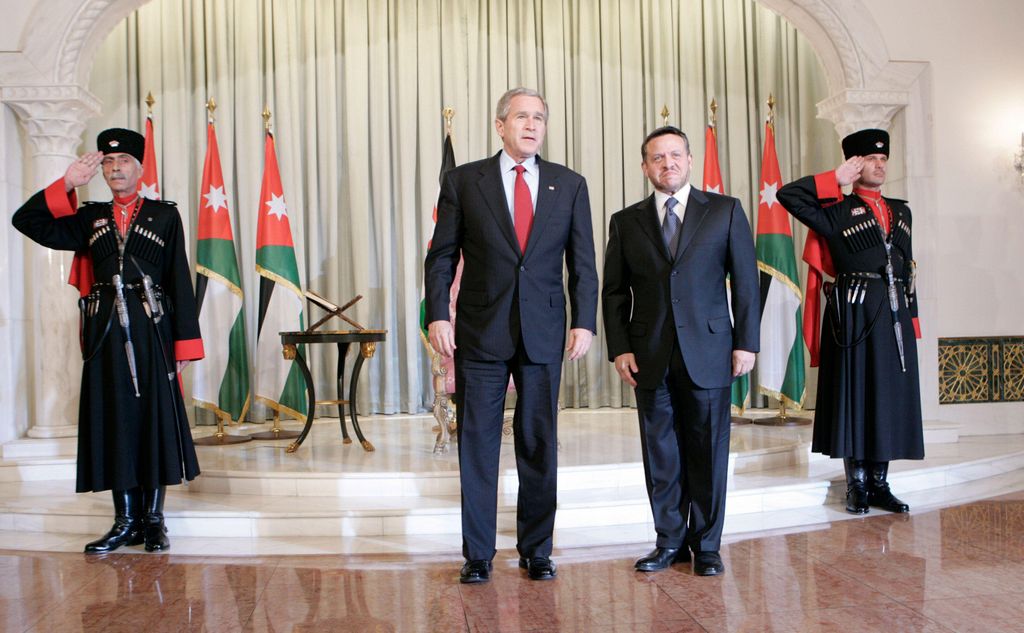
column 342, row 354
column 366, row 350
column 310, row 398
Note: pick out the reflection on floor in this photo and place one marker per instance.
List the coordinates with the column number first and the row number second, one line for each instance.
column 959, row 568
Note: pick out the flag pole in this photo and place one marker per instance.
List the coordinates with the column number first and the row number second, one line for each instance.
column 782, row 419
column 664, row 114
column 275, row 432
column 443, row 406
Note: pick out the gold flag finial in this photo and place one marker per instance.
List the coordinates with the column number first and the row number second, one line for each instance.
column 664, row 114
column 714, row 112
column 149, row 104
column 266, row 118
column 448, row 113
column 211, row 105
column 771, row 109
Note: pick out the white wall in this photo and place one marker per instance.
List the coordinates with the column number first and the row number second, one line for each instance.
column 976, row 77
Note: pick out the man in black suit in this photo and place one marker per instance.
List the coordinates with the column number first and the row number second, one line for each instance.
column 511, row 321
column 669, row 334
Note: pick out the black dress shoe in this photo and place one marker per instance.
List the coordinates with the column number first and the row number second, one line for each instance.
column 538, row 568
column 127, row 529
column 857, row 500
column 882, row 497
column 475, row 571
column 708, row 564
column 662, row 557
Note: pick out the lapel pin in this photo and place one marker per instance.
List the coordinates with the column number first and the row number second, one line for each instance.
column 551, row 187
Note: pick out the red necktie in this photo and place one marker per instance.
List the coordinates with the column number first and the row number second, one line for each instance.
column 523, row 211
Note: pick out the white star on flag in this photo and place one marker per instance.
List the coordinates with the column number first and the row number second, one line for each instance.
column 277, row 206
column 715, row 189
column 768, row 194
column 149, row 192
column 216, row 198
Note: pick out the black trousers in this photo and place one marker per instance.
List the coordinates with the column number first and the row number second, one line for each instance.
column 480, row 400
column 684, row 435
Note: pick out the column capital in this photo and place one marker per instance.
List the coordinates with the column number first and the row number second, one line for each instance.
column 54, row 117
column 852, row 110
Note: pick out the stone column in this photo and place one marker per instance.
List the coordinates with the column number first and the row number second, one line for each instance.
column 54, row 118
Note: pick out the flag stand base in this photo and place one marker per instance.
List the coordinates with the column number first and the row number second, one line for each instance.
column 738, row 420
column 782, row 419
column 220, row 438
column 275, row 433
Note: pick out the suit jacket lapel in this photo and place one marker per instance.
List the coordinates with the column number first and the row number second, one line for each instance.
column 647, row 216
column 696, row 211
column 493, row 191
column 546, row 197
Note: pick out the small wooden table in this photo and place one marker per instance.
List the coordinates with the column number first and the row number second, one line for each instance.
column 367, row 340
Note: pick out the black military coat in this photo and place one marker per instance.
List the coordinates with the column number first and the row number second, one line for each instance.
column 126, row 440
column 867, row 406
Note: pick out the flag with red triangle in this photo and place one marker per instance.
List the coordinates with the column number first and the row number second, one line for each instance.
column 712, row 172
column 221, row 382
column 780, row 363
column 279, row 383
column 149, row 185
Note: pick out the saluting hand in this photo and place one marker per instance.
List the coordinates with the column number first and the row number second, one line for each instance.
column 849, row 172
column 82, row 170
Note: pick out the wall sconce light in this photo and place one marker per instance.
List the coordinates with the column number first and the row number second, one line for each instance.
column 1018, row 158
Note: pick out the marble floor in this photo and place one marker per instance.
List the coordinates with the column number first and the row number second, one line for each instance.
column 958, row 568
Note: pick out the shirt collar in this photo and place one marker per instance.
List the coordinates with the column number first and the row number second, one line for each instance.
column 506, row 163
column 868, row 194
column 682, row 196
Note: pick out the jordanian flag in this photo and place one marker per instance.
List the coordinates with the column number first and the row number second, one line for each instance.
column 781, row 361
column 279, row 383
column 221, row 382
column 149, row 185
column 713, row 183
column 447, row 162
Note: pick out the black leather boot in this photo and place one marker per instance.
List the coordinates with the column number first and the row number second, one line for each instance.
column 153, row 521
column 127, row 529
column 879, row 494
column 856, row 486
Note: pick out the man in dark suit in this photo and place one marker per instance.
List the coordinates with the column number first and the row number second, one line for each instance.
column 511, row 321
column 669, row 334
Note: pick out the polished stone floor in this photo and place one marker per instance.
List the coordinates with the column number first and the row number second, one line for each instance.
column 958, row 568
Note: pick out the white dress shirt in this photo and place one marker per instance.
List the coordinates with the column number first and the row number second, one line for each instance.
column 508, row 179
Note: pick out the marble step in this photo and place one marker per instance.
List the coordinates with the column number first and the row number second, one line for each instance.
column 51, row 507
column 326, row 467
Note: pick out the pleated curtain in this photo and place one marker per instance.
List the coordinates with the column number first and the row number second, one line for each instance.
column 356, row 90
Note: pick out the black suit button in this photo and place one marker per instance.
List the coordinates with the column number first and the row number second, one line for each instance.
column 675, row 272
column 675, row 301
column 522, row 269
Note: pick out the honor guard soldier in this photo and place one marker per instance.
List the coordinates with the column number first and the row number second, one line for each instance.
column 868, row 409
column 139, row 329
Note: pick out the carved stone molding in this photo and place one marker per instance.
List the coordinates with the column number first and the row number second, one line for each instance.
column 53, row 116
column 78, row 39
column 853, row 110
column 827, row 17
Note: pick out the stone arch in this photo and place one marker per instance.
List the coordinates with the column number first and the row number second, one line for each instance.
column 847, row 41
